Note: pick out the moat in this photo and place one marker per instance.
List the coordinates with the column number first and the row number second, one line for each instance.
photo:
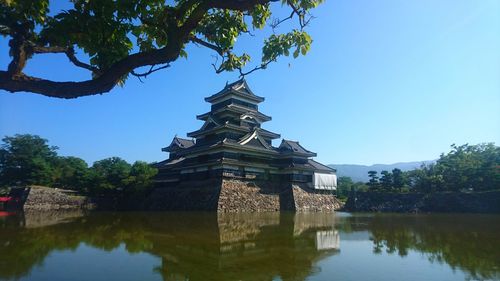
column 252, row 246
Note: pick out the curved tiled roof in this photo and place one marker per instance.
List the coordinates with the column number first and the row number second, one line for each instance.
column 318, row 166
column 294, row 147
column 180, row 143
column 235, row 108
column 239, row 87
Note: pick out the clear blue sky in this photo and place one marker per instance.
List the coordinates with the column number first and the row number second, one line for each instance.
column 385, row 81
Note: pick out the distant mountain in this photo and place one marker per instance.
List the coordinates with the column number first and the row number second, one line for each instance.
column 360, row 172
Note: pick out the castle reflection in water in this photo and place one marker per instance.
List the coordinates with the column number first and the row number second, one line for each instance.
column 191, row 246
column 256, row 246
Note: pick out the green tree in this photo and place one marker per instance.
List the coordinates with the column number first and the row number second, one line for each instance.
column 426, row 179
column 109, row 175
column 71, row 173
column 470, row 167
column 386, row 180
column 118, row 38
column 373, row 183
column 344, row 186
column 465, row 167
column 398, row 179
column 26, row 159
column 141, row 177
column 360, row 186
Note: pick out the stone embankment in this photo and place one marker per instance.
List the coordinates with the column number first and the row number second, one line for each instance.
column 225, row 196
column 307, row 201
column 193, row 196
column 243, row 196
column 47, row 199
column 443, row 202
column 230, row 195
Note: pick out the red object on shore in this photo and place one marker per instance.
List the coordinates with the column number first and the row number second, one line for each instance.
column 6, row 214
column 6, row 199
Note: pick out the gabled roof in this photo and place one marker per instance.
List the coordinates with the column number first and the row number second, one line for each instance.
column 253, row 117
column 268, row 134
column 250, row 137
column 224, row 126
column 178, row 143
column 318, row 166
column 237, row 109
column 205, row 130
column 310, row 165
column 240, row 88
column 293, row 147
column 211, row 122
column 169, row 162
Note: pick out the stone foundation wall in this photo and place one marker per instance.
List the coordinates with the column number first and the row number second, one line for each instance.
column 47, row 199
column 230, row 195
column 188, row 196
column 444, row 202
column 309, row 200
column 221, row 195
column 249, row 196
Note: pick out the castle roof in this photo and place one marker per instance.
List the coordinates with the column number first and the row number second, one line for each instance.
column 232, row 140
column 236, row 109
column 320, row 167
column 229, row 126
column 239, row 88
column 178, row 143
column 293, row 147
column 310, row 165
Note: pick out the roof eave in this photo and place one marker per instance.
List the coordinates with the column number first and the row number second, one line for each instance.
column 203, row 116
column 270, row 134
column 322, row 167
column 224, row 92
column 296, row 153
column 167, row 149
column 196, row 133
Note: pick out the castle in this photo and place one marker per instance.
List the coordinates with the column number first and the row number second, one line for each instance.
column 232, row 146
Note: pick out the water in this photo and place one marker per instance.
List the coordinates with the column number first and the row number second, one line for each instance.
column 270, row 246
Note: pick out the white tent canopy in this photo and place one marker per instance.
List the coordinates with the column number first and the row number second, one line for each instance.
column 325, row 181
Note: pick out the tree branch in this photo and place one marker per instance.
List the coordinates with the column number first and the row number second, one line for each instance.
column 70, row 53
column 102, row 84
column 238, row 5
column 301, row 13
column 216, row 48
column 262, row 66
column 14, row 80
column 277, row 22
column 220, row 68
column 45, row 50
column 19, row 58
column 151, row 70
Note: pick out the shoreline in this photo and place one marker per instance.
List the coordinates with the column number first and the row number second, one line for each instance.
column 487, row 202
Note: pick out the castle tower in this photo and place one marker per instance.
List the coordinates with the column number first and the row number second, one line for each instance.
column 232, row 143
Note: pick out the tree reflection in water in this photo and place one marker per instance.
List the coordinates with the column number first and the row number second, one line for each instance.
column 467, row 242
column 261, row 246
